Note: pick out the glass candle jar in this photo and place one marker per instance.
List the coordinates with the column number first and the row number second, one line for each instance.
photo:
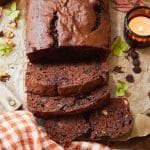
column 137, row 27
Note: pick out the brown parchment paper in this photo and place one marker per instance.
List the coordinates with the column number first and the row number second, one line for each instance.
column 138, row 91
column 15, row 65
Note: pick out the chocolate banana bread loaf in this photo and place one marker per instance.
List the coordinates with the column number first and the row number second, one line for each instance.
column 114, row 121
column 46, row 107
column 65, row 79
column 67, row 129
column 60, row 29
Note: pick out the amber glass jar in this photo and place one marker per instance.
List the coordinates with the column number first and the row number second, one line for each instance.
column 3, row 2
column 135, row 40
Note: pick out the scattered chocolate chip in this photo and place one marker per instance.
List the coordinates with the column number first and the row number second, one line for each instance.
column 134, row 55
column 136, row 62
column 118, row 69
column 130, row 78
column 148, row 114
column 1, row 33
column 135, row 58
column 149, row 94
column 137, row 70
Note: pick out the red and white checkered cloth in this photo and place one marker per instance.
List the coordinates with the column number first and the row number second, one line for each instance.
column 19, row 131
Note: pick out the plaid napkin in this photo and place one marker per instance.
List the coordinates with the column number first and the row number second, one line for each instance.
column 19, row 131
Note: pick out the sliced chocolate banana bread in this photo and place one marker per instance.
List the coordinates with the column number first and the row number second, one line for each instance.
column 114, row 121
column 65, row 79
column 60, row 29
column 66, row 129
column 46, row 107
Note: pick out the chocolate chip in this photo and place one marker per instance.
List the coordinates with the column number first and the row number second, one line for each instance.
column 137, row 70
column 148, row 114
column 130, row 78
column 149, row 94
column 136, row 62
column 118, row 69
column 134, row 55
column 1, row 33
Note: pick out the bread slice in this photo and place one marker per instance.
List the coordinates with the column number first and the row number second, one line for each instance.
column 67, row 129
column 46, row 107
column 66, row 79
column 114, row 121
column 67, row 29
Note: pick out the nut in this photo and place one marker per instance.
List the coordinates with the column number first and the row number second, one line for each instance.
column 4, row 76
column 103, row 132
column 104, row 112
column 13, row 24
column 10, row 43
column 8, row 34
column 125, row 102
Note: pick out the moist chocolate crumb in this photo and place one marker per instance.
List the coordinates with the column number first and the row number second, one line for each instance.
column 136, row 62
column 130, row 78
column 137, row 70
column 118, row 69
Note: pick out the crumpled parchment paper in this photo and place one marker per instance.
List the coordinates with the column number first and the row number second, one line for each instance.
column 14, row 64
column 138, row 97
column 138, row 91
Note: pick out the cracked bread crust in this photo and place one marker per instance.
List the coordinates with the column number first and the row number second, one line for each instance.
column 68, row 27
column 47, row 107
column 66, row 79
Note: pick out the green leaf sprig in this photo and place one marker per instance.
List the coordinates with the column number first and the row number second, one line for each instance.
column 5, row 49
column 119, row 46
column 121, row 89
column 12, row 13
